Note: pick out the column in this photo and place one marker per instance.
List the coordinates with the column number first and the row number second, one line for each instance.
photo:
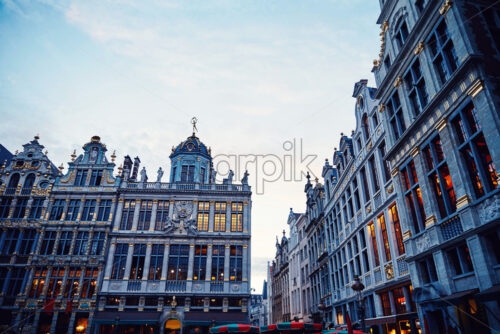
column 171, row 209
column 47, row 207
column 118, row 217
column 226, row 269
column 28, row 207
column 65, row 279
column 136, row 214
column 80, row 210
column 65, row 209
column 211, row 217
column 18, row 243
column 246, row 217
column 12, row 206
column 112, row 209
column 209, row 264
column 29, row 281
column 90, row 323
column 109, row 262
column 164, row 267
column 54, row 322
column 96, row 210
column 46, row 286
column 6, row 281
column 71, row 323
column 2, row 237
column 147, row 261
column 154, row 210
column 245, row 264
column 128, row 264
column 190, row 268
column 406, row 293
column 228, row 217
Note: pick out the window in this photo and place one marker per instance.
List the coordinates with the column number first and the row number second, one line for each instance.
column 460, row 259
column 364, row 180
column 28, row 242
column 57, row 209
column 203, row 215
column 399, row 300
column 401, row 34
column 156, row 264
column 187, row 174
column 357, row 202
column 49, row 238
column 375, row 120
column 145, row 215
column 72, row 282
column 36, row 208
column 178, row 262
column 385, row 237
column 202, row 175
column 119, row 261
column 396, row 117
column 97, row 245
column 20, row 208
column 89, row 282
column 374, row 173
column 237, row 217
column 428, row 269
column 416, row 89
column 10, row 242
column 373, row 237
column 413, row 196
column 218, row 255
column 73, row 208
column 492, row 242
column 104, row 210
column 28, row 183
column 443, row 53
column 394, row 216
column 200, row 263
column 474, row 151
column 387, row 62
column 127, row 215
column 5, row 207
column 81, row 243
column 16, row 281
column 220, row 217
column 88, row 210
column 440, row 178
column 161, row 215
column 95, row 178
column 365, row 126
column 138, row 258
column 81, row 177
column 386, row 303
column 38, row 282
column 385, row 164
column 55, row 281
column 420, row 5
column 235, row 263
column 64, row 243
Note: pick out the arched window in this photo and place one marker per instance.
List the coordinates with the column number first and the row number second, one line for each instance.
column 29, row 181
column 14, row 180
column 366, row 127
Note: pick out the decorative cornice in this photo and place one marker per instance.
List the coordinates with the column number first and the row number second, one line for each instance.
column 463, row 201
column 430, row 221
column 441, row 124
column 406, row 235
column 415, row 151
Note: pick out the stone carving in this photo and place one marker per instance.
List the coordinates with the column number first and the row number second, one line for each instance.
column 197, row 287
column 244, row 180
column 229, row 179
column 489, row 209
column 144, row 176
column 160, row 175
column 116, row 286
column 182, row 221
column 154, row 286
column 422, row 243
column 235, row 287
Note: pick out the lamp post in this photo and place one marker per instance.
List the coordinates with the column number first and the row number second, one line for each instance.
column 359, row 287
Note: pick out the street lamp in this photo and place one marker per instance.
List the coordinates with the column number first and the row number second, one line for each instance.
column 359, row 287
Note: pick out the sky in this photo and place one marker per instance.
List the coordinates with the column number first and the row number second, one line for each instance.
column 265, row 79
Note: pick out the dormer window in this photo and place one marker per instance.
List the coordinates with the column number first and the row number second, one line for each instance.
column 401, row 34
column 187, row 174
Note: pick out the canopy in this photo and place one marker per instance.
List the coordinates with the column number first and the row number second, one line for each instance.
column 234, row 328
column 291, row 326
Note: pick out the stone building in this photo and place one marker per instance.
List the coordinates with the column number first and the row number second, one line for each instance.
column 438, row 84
column 68, row 262
column 179, row 254
column 280, row 275
column 26, row 179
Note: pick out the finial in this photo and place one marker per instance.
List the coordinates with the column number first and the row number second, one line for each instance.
column 308, row 176
column 95, row 139
column 342, row 134
column 73, row 155
column 46, row 152
column 194, row 120
column 284, row 232
column 113, row 156
column 37, row 136
column 317, row 180
column 61, row 168
column 120, row 169
column 17, row 151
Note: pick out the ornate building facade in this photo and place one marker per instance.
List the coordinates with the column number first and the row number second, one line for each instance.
column 438, row 84
column 26, row 179
column 179, row 251
column 280, row 275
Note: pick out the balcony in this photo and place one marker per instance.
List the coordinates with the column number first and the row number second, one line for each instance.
column 175, row 286
column 134, row 285
column 10, row 191
column 216, row 286
column 451, row 228
column 26, row 191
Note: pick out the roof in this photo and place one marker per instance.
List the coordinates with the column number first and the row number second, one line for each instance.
column 192, row 145
column 5, row 155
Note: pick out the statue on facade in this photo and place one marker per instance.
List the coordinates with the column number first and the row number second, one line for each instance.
column 213, row 175
column 230, row 177
column 144, row 176
column 160, row 175
column 244, row 180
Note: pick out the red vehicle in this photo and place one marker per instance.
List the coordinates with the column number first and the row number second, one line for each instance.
column 291, row 328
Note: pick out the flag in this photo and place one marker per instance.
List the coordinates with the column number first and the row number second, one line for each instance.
column 349, row 324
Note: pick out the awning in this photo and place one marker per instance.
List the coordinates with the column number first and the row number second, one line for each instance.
column 207, row 318
column 127, row 317
column 492, row 293
column 458, row 295
column 234, row 328
column 391, row 319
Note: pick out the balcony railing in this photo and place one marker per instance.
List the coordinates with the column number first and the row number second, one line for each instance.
column 186, row 186
column 134, row 285
column 10, row 191
column 451, row 228
column 175, row 286
column 216, row 286
column 26, row 191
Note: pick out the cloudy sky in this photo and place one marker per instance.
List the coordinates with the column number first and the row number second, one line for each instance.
column 259, row 76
